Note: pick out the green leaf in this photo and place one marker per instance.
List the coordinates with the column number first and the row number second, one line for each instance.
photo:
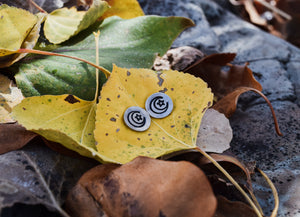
column 125, row 88
column 131, row 43
column 63, row 23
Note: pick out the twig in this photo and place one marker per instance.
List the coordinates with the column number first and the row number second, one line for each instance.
column 37, row 6
column 274, row 9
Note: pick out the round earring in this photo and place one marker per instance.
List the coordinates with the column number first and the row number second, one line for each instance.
column 137, row 118
column 159, row 105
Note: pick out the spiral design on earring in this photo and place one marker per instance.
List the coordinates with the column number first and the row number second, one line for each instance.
column 137, row 118
column 159, row 105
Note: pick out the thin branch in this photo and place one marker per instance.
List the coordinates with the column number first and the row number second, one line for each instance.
column 37, row 6
column 274, row 9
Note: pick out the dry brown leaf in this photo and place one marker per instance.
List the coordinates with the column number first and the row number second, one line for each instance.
column 227, row 86
column 143, row 187
column 228, row 208
column 13, row 137
column 223, row 82
column 227, row 105
column 228, row 162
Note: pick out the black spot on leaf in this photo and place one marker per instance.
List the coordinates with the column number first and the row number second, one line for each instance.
column 160, row 80
column 164, row 90
column 113, row 119
column 71, row 99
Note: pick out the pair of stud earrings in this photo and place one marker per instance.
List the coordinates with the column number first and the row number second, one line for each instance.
column 158, row 105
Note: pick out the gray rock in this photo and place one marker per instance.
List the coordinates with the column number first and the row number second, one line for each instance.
column 201, row 36
column 294, row 76
column 276, row 65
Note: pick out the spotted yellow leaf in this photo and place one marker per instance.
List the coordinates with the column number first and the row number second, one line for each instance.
column 65, row 119
column 116, row 142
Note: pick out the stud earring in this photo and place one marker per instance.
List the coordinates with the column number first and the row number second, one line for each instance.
column 137, row 118
column 159, row 105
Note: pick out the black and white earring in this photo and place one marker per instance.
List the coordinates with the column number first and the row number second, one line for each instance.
column 137, row 118
column 159, row 105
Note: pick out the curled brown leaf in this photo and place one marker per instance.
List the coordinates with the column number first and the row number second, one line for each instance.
column 223, row 82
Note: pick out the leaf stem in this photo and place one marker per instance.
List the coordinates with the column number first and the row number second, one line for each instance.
column 38, row 7
column 97, row 62
column 274, row 191
column 24, row 50
column 272, row 110
column 231, row 179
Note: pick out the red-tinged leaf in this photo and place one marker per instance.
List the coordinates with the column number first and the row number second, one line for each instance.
column 143, row 187
column 13, row 137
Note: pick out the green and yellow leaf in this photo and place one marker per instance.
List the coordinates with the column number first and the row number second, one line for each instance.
column 121, row 41
column 63, row 23
column 118, row 143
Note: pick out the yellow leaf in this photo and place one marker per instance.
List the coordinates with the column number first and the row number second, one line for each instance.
column 65, row 119
column 63, row 23
column 125, row 88
column 28, row 43
column 10, row 96
column 125, row 9
column 15, row 25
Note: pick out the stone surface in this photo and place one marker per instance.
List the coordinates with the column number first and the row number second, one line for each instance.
column 276, row 65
